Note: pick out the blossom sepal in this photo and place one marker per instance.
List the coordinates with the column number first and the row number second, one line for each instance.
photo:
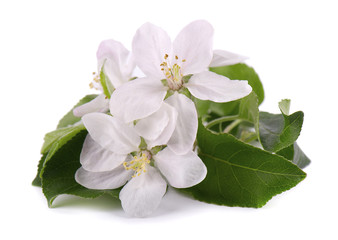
column 106, row 84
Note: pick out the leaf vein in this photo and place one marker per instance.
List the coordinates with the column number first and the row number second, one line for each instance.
column 245, row 167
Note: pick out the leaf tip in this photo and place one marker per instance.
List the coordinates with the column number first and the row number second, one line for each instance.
column 284, row 106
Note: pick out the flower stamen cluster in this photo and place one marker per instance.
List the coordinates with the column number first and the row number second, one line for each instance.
column 96, row 83
column 172, row 73
column 139, row 163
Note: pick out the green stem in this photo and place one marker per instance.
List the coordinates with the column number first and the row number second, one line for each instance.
column 252, row 138
column 232, row 125
column 221, row 120
column 248, row 137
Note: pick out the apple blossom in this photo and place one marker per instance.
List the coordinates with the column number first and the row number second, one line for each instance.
column 117, row 64
column 114, row 155
column 173, row 63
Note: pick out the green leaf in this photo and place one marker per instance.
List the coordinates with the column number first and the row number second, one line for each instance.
column 240, row 174
column 37, row 180
column 284, row 106
column 53, row 142
column 69, row 118
column 107, row 86
column 58, row 174
column 278, row 131
column 299, row 157
column 202, row 107
column 248, row 110
column 248, row 115
column 60, row 136
column 296, row 155
column 287, row 152
column 225, row 109
column 242, row 71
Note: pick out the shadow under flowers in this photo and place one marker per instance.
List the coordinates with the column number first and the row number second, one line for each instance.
column 173, row 202
column 102, row 203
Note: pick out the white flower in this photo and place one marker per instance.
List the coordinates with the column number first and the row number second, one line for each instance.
column 190, row 53
column 112, row 156
column 117, row 64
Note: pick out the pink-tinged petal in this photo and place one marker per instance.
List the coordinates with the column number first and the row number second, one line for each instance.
column 111, row 133
column 117, row 61
column 211, row 86
column 103, row 180
column 142, row 194
column 193, row 45
column 150, row 44
column 184, row 135
column 181, row 171
column 137, row 99
column 225, row 58
column 95, row 158
column 167, row 131
column 98, row 104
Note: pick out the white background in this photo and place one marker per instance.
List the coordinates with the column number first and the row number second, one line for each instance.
column 47, row 55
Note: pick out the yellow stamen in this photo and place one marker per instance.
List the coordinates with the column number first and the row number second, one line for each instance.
column 172, row 73
column 138, row 164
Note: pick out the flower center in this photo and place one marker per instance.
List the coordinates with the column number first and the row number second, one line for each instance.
column 139, row 163
column 172, row 73
column 96, row 83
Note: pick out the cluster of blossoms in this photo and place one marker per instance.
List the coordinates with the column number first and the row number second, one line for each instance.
column 142, row 136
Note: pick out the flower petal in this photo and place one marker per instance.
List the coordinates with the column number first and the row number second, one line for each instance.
column 194, row 45
column 111, row 133
column 181, row 171
column 158, row 127
column 117, row 60
column 167, row 132
column 211, row 86
column 98, row 104
column 103, row 180
column 152, row 126
column 95, row 158
column 137, row 99
column 225, row 58
column 142, row 194
column 184, row 135
column 150, row 44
